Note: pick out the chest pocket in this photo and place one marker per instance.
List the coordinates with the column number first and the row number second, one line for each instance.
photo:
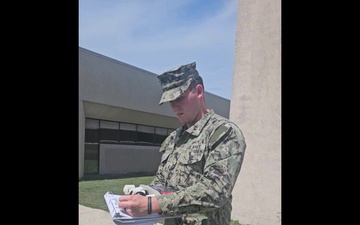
column 193, row 154
column 191, row 158
column 190, row 166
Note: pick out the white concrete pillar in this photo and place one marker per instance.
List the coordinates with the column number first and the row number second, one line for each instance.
column 256, row 108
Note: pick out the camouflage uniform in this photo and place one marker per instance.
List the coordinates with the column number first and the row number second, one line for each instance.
column 201, row 162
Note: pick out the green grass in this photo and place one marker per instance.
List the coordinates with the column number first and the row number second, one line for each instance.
column 93, row 188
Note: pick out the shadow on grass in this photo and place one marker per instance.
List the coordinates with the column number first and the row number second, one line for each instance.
column 114, row 176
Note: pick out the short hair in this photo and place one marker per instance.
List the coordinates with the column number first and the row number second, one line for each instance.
column 195, row 82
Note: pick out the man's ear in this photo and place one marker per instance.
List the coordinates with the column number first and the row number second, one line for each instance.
column 199, row 89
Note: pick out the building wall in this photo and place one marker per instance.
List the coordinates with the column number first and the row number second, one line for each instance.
column 116, row 91
column 81, row 138
column 256, row 107
column 114, row 159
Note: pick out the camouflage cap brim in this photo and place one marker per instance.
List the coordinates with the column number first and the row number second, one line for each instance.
column 174, row 93
column 176, row 81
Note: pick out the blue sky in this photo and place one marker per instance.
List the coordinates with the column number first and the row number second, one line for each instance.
column 158, row 35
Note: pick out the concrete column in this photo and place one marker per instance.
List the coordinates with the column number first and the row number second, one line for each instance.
column 256, row 108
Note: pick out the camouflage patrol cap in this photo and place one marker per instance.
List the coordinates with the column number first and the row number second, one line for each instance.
column 176, row 81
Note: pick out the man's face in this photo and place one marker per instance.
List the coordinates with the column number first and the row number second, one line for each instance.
column 187, row 107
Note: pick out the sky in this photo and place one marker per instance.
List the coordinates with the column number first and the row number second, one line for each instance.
column 158, row 35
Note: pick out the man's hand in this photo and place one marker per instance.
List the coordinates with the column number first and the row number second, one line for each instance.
column 134, row 205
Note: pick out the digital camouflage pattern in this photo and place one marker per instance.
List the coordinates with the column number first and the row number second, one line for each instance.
column 176, row 81
column 202, row 163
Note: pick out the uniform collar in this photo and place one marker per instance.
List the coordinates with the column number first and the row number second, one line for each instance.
column 196, row 129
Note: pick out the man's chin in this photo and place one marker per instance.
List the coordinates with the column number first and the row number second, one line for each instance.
column 181, row 120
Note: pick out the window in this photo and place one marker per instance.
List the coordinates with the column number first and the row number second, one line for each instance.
column 128, row 134
column 109, row 131
column 104, row 131
column 91, row 131
column 160, row 134
column 145, row 134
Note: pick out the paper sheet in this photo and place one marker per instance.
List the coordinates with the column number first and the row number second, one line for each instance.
column 120, row 216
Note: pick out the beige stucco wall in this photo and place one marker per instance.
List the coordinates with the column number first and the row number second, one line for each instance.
column 256, row 107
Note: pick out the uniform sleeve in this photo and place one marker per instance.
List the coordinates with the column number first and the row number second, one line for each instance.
column 212, row 189
column 159, row 179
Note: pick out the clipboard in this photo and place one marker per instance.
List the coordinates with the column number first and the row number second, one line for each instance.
column 120, row 216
